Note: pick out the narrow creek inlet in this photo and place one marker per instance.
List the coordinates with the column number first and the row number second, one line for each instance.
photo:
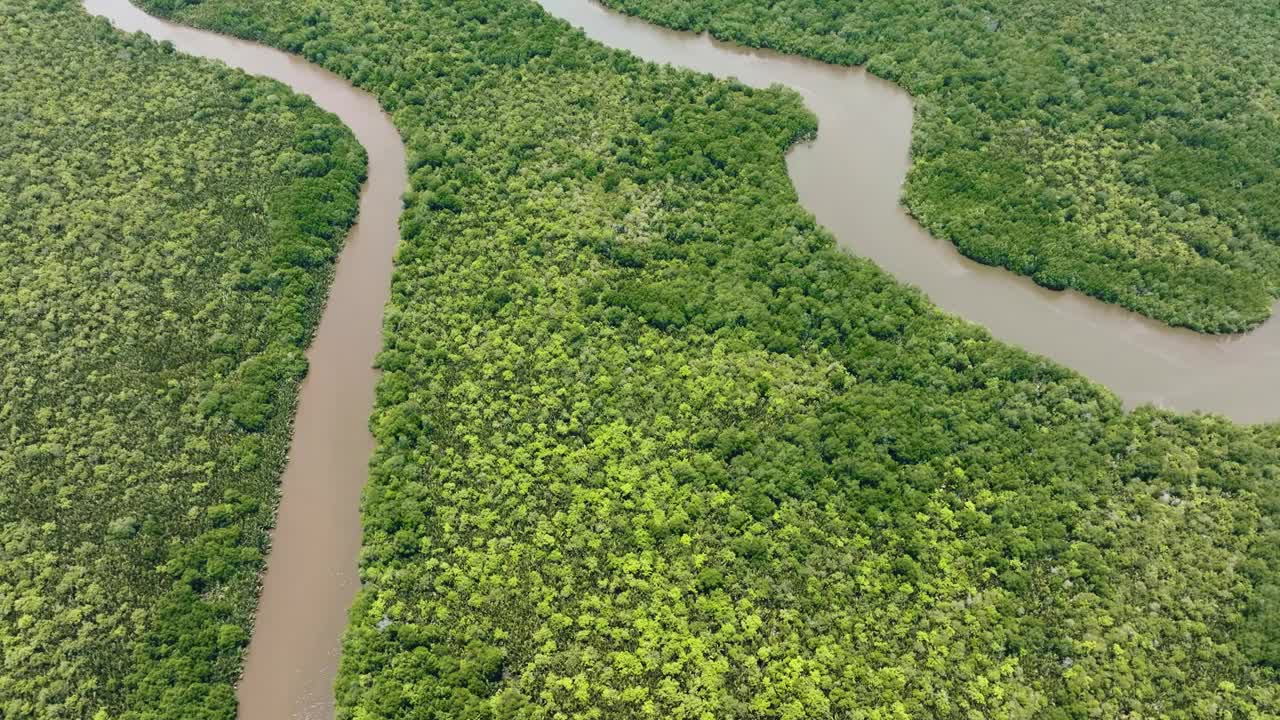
column 311, row 574
column 850, row 177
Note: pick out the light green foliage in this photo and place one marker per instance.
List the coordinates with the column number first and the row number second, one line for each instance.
column 1130, row 150
column 649, row 446
column 167, row 229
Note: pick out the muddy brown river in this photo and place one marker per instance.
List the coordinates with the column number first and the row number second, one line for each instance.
column 850, row 177
column 311, row 573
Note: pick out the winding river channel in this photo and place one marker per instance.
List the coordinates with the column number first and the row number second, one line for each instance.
column 311, row 574
column 850, row 177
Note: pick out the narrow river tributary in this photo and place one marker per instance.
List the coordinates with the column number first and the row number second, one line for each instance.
column 850, row 177
column 311, row 574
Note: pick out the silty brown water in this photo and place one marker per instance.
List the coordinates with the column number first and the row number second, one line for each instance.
column 311, row 574
column 850, row 177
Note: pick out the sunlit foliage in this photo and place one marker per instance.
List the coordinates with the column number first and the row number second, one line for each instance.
column 649, row 446
column 167, row 229
column 1130, row 150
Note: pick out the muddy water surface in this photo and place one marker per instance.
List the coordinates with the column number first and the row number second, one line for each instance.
column 311, row 573
column 850, row 177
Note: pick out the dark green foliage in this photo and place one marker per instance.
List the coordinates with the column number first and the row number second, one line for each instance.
column 1260, row 631
column 1130, row 150
column 167, row 230
column 649, row 446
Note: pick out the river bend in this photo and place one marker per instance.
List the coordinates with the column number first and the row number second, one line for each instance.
column 850, row 177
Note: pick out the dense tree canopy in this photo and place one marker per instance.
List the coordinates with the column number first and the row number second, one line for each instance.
column 1130, row 150
column 650, row 446
column 167, row 230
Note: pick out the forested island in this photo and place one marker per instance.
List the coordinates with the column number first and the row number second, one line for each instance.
column 167, row 231
column 649, row 444
column 1129, row 150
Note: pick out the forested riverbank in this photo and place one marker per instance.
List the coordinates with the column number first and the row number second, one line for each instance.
column 1127, row 150
column 167, row 232
column 648, row 444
